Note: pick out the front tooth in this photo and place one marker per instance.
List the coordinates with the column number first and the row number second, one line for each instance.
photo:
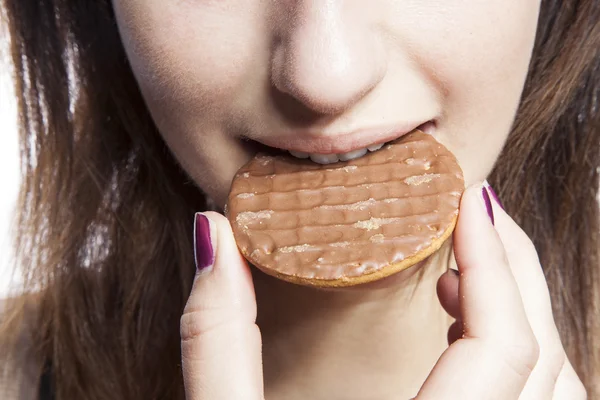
column 375, row 147
column 324, row 158
column 351, row 155
column 299, row 154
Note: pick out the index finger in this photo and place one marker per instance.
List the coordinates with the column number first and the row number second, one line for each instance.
column 498, row 351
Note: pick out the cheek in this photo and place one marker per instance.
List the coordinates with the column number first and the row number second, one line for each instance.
column 480, row 64
column 487, row 47
column 190, row 58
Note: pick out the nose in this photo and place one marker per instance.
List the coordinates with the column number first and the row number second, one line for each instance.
column 329, row 55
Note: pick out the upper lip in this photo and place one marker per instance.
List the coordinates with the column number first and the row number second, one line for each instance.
column 308, row 142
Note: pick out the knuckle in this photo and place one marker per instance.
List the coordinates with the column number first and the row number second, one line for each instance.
column 568, row 385
column 530, row 252
column 522, row 356
column 528, row 244
column 189, row 326
column 581, row 393
column 197, row 323
column 576, row 389
column 522, row 245
column 529, row 249
column 201, row 316
column 554, row 359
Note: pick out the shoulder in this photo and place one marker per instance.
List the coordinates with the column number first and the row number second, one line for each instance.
column 19, row 371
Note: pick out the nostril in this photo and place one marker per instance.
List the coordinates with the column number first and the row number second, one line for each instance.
column 295, row 112
column 314, row 93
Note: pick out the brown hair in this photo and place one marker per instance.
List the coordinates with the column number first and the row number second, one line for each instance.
column 105, row 210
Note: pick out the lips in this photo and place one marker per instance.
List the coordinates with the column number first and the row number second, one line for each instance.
column 327, row 149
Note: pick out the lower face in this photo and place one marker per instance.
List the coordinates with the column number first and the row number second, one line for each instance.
column 326, row 77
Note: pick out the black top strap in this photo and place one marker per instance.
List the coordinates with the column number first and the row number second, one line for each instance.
column 46, row 388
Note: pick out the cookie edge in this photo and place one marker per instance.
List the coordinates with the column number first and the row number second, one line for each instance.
column 381, row 273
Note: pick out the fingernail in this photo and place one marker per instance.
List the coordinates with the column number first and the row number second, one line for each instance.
column 492, row 193
column 204, row 255
column 454, row 271
column 488, row 203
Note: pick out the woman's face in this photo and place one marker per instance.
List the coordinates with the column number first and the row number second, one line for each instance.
column 327, row 76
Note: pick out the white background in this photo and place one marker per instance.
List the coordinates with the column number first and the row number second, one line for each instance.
column 9, row 168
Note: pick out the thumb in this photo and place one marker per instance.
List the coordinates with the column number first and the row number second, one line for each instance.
column 220, row 341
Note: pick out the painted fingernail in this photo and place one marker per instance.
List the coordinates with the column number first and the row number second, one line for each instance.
column 493, row 194
column 488, row 203
column 204, row 255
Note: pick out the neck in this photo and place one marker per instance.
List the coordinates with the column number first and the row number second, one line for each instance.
column 378, row 340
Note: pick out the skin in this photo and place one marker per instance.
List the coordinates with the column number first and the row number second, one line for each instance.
column 213, row 72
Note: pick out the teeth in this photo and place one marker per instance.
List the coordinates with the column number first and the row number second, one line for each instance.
column 374, row 147
column 299, row 154
column 324, row 158
column 332, row 158
column 351, row 155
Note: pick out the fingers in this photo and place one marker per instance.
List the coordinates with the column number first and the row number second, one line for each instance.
column 220, row 342
column 447, row 291
column 528, row 273
column 525, row 266
column 553, row 376
column 455, row 331
column 488, row 293
column 568, row 385
column 499, row 350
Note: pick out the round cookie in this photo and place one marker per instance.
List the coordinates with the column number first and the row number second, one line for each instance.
column 350, row 222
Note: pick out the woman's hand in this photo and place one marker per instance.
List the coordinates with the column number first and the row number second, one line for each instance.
column 506, row 347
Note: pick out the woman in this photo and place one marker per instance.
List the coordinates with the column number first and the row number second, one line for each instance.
column 136, row 114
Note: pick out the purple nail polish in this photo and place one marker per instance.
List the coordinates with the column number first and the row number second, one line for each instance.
column 494, row 195
column 203, row 250
column 488, row 203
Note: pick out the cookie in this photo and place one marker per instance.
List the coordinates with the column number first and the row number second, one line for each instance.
column 350, row 222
